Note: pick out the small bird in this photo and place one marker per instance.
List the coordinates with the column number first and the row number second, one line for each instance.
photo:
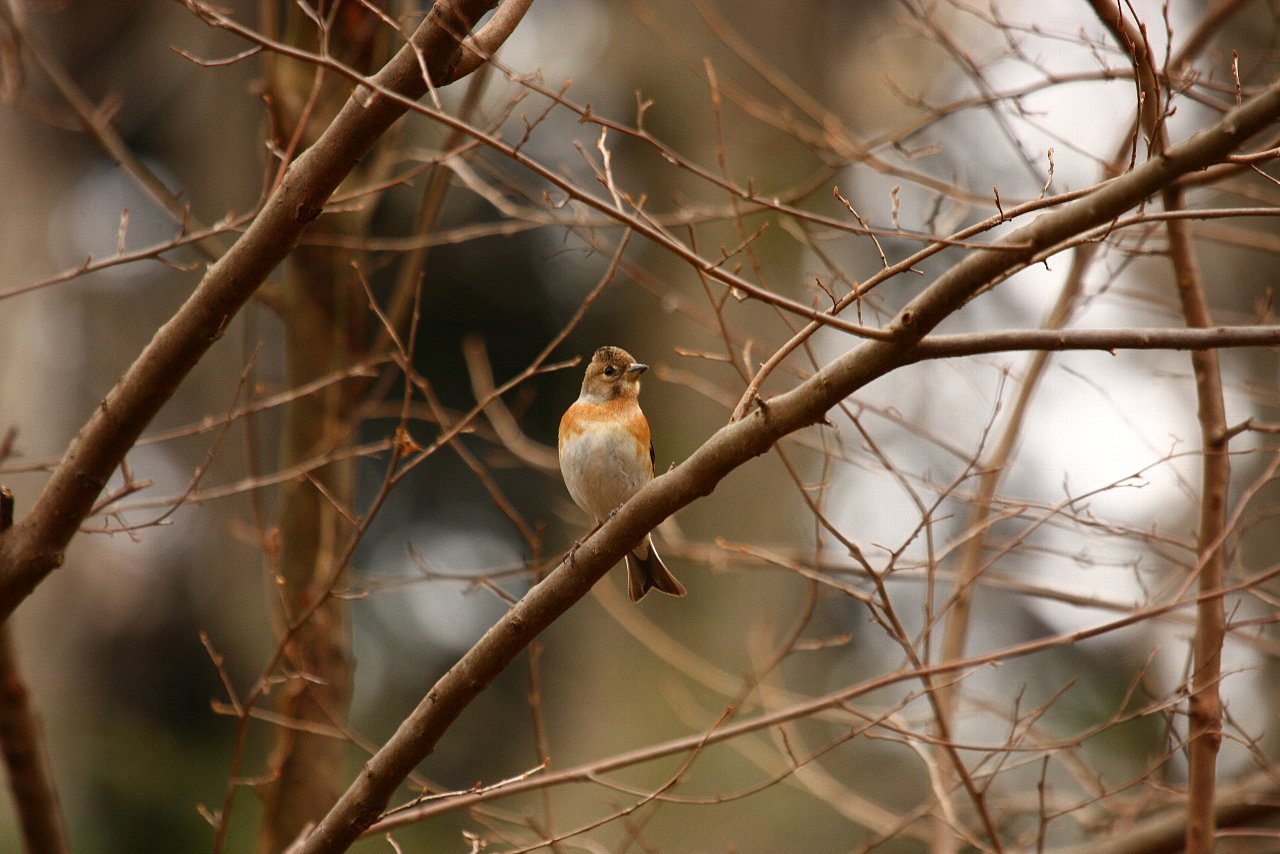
column 606, row 456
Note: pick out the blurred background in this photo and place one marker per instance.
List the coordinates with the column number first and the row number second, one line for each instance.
column 887, row 102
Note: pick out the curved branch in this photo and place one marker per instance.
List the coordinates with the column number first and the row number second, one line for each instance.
column 736, row 443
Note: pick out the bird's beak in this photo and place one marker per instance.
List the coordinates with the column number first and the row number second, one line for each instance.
column 637, row 368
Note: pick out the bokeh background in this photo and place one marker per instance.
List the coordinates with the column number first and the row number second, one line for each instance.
column 112, row 643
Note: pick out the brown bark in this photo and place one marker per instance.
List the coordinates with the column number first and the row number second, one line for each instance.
column 1211, row 620
column 1205, row 704
column 35, row 800
column 304, row 770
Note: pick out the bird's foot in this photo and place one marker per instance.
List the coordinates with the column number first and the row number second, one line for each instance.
column 569, row 555
column 573, row 549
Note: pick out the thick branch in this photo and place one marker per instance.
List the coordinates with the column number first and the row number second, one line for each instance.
column 749, row 437
column 34, row 547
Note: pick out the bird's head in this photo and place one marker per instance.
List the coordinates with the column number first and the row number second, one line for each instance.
column 612, row 373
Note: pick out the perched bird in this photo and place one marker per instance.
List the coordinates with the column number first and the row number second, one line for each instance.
column 606, row 456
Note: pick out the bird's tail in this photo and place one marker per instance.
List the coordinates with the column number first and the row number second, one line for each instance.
column 646, row 570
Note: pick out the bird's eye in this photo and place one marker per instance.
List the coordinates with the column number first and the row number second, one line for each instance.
column 610, row 371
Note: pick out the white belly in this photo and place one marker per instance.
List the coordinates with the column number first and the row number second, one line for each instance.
column 600, row 470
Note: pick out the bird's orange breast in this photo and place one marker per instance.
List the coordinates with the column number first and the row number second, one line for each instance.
column 604, row 454
column 618, row 414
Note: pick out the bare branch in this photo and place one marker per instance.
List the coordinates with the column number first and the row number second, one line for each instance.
column 740, row 441
column 1109, row 340
column 34, row 547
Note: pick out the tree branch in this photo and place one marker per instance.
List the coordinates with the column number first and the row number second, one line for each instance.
column 1248, row 800
column 1110, row 340
column 34, row 547
column 1205, row 704
column 490, row 37
column 737, row 442
column 35, row 799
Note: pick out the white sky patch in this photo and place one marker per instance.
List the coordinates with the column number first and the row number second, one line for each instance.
column 445, row 614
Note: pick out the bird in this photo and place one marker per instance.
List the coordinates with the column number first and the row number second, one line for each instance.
column 606, row 456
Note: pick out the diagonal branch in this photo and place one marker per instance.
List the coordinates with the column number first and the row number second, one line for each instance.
column 34, row 547
column 740, row 441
